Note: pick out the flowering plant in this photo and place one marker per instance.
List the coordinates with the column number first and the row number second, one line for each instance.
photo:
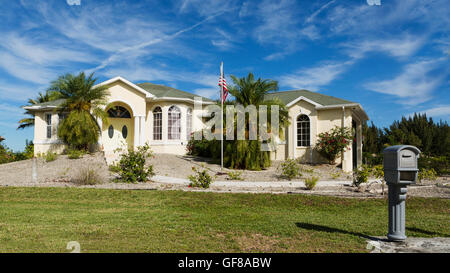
column 332, row 143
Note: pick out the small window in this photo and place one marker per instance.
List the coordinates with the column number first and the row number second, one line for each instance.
column 303, row 131
column 111, row 131
column 157, row 123
column 118, row 112
column 48, row 119
column 124, row 132
column 174, row 123
column 188, row 124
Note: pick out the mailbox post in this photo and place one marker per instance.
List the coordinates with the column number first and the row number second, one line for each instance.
column 400, row 170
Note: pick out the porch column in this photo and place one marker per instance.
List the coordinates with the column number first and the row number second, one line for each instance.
column 142, row 130
column 136, row 131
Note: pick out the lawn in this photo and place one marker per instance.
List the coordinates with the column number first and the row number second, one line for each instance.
column 46, row 219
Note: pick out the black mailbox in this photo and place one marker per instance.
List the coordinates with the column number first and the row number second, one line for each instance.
column 400, row 164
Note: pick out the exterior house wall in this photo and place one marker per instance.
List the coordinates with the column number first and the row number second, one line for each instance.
column 330, row 118
column 140, row 126
column 42, row 144
column 166, row 145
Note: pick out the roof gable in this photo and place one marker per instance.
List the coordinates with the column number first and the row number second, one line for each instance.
column 162, row 91
column 118, row 78
column 291, row 97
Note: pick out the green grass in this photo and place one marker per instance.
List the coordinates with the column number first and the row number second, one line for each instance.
column 46, row 219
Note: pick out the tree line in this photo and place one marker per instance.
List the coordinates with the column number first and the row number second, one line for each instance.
column 432, row 138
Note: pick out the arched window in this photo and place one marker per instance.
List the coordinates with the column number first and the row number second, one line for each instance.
column 157, row 123
column 118, row 112
column 188, row 124
column 174, row 123
column 303, row 131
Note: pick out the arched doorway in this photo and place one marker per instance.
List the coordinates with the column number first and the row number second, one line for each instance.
column 119, row 132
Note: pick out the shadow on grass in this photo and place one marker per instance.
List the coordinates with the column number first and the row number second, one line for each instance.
column 335, row 230
column 430, row 233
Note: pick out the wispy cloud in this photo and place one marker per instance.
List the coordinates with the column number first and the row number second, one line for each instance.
column 312, row 78
column 397, row 47
column 414, row 85
column 442, row 111
column 313, row 16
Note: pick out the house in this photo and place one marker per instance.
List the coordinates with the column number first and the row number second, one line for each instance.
column 164, row 118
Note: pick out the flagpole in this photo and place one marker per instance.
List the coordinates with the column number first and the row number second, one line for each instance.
column 221, row 117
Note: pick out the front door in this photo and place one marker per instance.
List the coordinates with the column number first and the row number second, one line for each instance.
column 118, row 133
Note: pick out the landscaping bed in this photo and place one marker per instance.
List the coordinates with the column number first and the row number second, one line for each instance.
column 64, row 172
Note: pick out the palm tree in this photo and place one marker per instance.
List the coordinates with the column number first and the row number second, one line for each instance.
column 247, row 154
column 84, row 104
column 248, row 91
column 29, row 121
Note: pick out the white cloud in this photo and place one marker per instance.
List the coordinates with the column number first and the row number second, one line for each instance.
column 311, row 18
column 312, row 78
column 398, row 47
column 414, row 85
column 73, row 2
column 25, row 70
column 439, row 111
column 43, row 52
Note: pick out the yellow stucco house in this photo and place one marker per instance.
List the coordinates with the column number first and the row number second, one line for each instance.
column 164, row 118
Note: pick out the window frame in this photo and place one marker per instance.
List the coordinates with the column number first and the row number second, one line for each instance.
column 188, row 123
column 174, row 119
column 303, row 139
column 159, row 126
column 49, row 125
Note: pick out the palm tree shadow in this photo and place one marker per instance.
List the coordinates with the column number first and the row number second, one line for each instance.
column 336, row 230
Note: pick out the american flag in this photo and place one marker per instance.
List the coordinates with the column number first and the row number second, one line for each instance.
column 223, row 83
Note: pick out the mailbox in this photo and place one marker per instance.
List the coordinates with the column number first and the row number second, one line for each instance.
column 400, row 170
column 400, row 164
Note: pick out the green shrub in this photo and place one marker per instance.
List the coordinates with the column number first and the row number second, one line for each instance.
column 440, row 164
column 335, row 175
column 311, row 183
column 237, row 154
column 377, row 171
column 131, row 166
column 372, row 159
column 236, row 175
column 88, row 176
column 74, row 154
column 361, row 175
column 424, row 174
column 49, row 156
column 332, row 143
column 200, row 179
column 290, row 169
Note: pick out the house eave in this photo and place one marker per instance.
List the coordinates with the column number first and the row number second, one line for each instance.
column 119, row 78
column 180, row 99
column 354, row 106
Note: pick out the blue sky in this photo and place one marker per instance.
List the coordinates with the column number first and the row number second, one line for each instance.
column 392, row 58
